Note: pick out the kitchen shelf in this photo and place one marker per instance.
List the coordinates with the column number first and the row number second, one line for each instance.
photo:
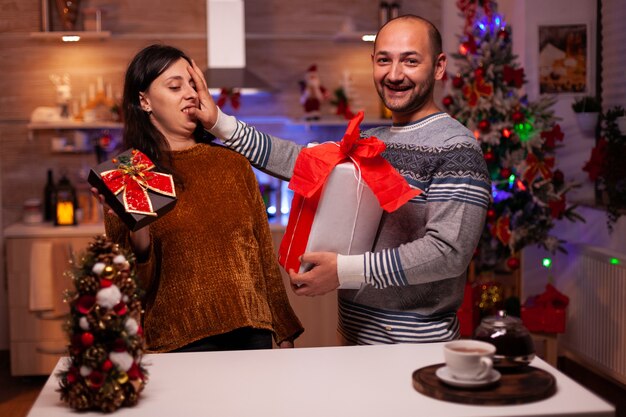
column 70, row 124
column 337, row 122
column 84, row 35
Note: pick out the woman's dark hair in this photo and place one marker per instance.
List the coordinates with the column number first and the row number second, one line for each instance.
column 139, row 132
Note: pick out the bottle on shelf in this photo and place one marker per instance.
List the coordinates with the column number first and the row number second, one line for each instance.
column 48, row 198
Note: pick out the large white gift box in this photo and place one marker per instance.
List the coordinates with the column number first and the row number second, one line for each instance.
column 346, row 219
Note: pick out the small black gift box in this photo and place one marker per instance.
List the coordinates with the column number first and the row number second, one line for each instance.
column 132, row 188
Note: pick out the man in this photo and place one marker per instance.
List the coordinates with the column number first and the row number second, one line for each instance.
column 412, row 282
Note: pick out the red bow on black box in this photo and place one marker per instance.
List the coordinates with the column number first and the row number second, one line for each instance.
column 133, row 189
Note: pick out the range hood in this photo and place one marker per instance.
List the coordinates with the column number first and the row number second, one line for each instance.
column 226, row 49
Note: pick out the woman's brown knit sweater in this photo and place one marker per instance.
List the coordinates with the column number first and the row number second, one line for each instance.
column 211, row 268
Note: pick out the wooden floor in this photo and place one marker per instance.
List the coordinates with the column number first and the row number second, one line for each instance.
column 17, row 394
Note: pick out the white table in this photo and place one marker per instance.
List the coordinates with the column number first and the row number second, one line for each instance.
column 360, row 381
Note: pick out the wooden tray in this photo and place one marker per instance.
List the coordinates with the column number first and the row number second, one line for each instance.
column 521, row 386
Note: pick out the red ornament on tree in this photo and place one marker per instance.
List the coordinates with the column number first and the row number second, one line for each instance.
column 105, row 283
column 505, row 172
column 457, row 81
column 518, row 117
column 447, row 101
column 491, row 215
column 106, row 365
column 489, row 157
column 513, row 263
column 479, row 72
column 484, row 125
column 469, row 46
column 503, row 34
column 87, row 339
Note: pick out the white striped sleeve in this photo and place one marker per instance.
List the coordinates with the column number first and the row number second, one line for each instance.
column 246, row 140
column 350, row 271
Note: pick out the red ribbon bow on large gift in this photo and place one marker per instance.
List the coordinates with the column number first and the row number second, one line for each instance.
column 134, row 177
column 315, row 164
column 311, row 171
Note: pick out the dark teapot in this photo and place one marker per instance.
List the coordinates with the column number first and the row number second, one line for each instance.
column 514, row 346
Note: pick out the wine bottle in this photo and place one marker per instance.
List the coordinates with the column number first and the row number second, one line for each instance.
column 48, row 198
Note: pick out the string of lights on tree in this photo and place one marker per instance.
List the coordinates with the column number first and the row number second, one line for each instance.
column 518, row 138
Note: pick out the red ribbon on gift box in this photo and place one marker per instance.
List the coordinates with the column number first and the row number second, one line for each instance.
column 134, row 177
column 311, row 171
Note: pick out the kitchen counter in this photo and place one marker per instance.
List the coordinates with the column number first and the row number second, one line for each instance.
column 23, row 230
column 364, row 381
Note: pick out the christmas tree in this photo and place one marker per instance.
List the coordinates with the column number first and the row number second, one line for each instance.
column 104, row 370
column 518, row 139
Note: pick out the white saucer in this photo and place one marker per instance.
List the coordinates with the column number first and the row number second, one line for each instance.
column 444, row 374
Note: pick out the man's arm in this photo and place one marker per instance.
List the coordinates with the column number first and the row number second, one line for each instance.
column 455, row 206
column 266, row 152
column 455, row 209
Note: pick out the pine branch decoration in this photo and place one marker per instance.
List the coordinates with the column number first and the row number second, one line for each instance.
column 106, row 345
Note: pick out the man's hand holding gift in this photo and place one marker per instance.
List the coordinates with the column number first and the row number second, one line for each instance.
column 322, row 278
column 340, row 190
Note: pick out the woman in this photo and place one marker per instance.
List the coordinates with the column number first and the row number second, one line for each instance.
column 208, row 267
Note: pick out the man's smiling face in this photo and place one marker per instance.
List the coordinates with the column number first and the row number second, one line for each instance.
column 404, row 70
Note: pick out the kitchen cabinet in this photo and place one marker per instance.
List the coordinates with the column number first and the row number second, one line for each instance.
column 36, row 335
column 317, row 314
column 37, row 339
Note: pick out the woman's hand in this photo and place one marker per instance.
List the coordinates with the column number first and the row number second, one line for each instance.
column 100, row 198
column 286, row 344
column 140, row 239
column 207, row 111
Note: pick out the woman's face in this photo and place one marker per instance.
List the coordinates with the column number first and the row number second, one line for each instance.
column 169, row 98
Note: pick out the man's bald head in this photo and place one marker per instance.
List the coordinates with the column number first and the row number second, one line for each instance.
column 434, row 37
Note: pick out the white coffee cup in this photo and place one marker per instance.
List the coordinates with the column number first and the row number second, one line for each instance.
column 469, row 359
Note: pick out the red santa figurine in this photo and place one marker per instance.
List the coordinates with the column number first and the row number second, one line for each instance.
column 313, row 93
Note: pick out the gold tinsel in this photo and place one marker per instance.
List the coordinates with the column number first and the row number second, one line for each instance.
column 110, row 397
column 87, row 284
column 127, row 285
column 78, row 397
column 94, row 356
column 131, row 395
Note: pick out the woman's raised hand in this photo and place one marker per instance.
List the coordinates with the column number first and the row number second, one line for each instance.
column 207, row 112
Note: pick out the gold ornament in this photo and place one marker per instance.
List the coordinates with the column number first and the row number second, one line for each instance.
column 122, row 378
column 109, row 272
